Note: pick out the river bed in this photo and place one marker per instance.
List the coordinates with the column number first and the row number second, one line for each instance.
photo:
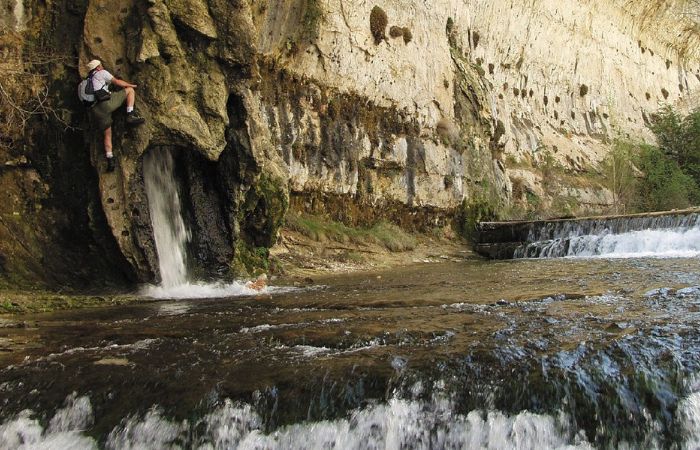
column 553, row 353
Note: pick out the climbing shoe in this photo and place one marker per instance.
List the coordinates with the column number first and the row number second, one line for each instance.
column 110, row 164
column 133, row 118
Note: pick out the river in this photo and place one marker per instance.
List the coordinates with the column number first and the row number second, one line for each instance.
column 549, row 353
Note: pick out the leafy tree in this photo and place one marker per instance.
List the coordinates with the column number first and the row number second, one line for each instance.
column 679, row 139
column 664, row 185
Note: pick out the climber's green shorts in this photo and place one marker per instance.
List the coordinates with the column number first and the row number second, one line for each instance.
column 102, row 112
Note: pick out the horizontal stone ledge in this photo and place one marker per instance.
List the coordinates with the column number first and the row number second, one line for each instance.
column 673, row 212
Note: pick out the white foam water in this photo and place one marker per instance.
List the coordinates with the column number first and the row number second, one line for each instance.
column 400, row 423
column 395, row 425
column 646, row 243
column 210, row 290
column 65, row 430
column 657, row 243
column 198, row 290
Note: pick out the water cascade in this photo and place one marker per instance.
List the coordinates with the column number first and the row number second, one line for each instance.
column 169, row 230
column 674, row 234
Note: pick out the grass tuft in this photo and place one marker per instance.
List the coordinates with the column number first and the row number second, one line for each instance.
column 392, row 237
column 320, row 229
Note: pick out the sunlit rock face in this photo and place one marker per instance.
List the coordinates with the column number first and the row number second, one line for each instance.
column 563, row 80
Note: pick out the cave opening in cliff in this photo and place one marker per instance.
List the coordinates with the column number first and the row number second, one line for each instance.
column 190, row 233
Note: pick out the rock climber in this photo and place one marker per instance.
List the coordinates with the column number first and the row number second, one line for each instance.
column 103, row 104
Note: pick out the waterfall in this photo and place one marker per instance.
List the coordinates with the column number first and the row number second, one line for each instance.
column 169, row 230
column 171, row 237
column 675, row 235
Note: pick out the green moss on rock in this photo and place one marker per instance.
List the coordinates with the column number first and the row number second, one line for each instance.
column 472, row 212
column 250, row 261
column 260, row 217
column 263, row 211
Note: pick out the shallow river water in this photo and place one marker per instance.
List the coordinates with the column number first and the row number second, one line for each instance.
column 557, row 353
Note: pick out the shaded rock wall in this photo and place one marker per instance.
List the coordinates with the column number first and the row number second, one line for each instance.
column 53, row 230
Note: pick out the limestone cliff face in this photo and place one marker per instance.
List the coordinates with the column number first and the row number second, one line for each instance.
column 568, row 79
column 561, row 79
column 266, row 101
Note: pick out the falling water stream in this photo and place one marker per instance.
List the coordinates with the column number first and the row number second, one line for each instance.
column 169, row 230
column 531, row 353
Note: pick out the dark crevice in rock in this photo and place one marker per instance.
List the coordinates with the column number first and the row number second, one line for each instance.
column 58, row 236
column 210, row 249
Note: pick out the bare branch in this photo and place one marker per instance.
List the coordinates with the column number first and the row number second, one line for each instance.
column 24, row 88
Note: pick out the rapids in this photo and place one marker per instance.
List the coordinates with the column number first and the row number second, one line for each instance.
column 547, row 353
column 621, row 237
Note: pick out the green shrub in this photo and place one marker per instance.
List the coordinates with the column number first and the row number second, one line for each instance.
column 378, row 22
column 664, row 185
column 618, row 168
column 651, row 178
column 679, row 138
column 470, row 213
column 550, row 168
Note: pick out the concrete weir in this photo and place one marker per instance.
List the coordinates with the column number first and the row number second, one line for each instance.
column 586, row 236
